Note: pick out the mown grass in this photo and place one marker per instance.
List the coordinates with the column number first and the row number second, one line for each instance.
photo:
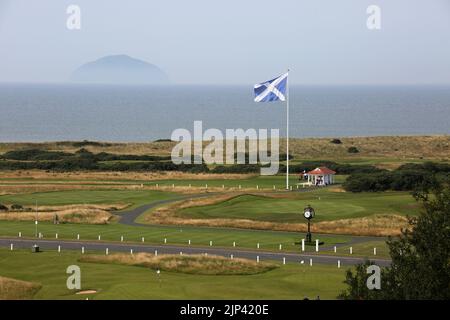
column 191, row 264
column 113, row 281
column 105, row 196
column 175, row 235
column 328, row 206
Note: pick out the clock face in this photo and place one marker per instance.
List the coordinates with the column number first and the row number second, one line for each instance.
column 307, row 214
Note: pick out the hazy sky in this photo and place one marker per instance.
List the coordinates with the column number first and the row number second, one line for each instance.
column 232, row 41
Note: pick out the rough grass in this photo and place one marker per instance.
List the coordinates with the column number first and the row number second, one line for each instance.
column 191, row 264
column 435, row 147
column 88, row 214
column 12, row 289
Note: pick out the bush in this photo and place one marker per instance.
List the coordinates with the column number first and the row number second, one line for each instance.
column 336, row 141
column 3, row 207
column 16, row 206
column 352, row 150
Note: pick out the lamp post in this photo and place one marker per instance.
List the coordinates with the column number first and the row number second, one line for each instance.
column 36, row 222
column 309, row 213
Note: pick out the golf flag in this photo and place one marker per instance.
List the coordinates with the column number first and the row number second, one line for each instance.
column 272, row 90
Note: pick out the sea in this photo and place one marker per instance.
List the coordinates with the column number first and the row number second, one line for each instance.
column 73, row 112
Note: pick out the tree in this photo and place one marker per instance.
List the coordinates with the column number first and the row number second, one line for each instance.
column 420, row 267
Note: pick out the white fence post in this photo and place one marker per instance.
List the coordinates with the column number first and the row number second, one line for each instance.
column 284, row 260
column 279, row 247
column 257, row 259
column 334, row 249
column 374, row 251
column 59, row 249
column 82, row 250
column 234, row 243
column 121, row 238
column 165, row 240
column 107, row 251
column 99, row 237
column 303, row 244
column 231, row 256
column 56, row 236
column 189, row 242
column 20, row 234
column 131, row 251
column 156, row 253
column 78, row 236
column 317, row 245
column 310, row 262
column 12, row 246
column 257, row 245
column 210, row 243
column 339, row 263
column 351, row 250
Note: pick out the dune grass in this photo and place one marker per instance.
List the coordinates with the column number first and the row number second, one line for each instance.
column 12, row 289
column 191, row 264
column 114, row 281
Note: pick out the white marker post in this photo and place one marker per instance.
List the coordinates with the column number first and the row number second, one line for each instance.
column 20, row 234
column 234, row 243
column 156, row 253
column 189, row 242
column 310, row 262
column 12, row 247
column 231, row 256
column 279, row 247
column 59, row 249
column 131, row 251
column 78, row 237
column 82, row 250
column 317, row 245
column 339, row 263
column 99, row 237
column 335, row 249
column 107, row 251
column 303, row 245
column 374, row 251
column 56, row 236
column 257, row 245
column 210, row 243
column 351, row 250
column 143, row 239
column 121, row 238
column 284, row 260
column 257, row 259
column 165, row 240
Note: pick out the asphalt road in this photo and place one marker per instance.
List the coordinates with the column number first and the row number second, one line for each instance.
column 172, row 249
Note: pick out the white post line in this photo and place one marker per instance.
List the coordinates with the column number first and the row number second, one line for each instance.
column 234, row 243
column 317, row 245
column 223, row 186
column 310, row 262
column 274, row 187
column 131, row 251
column 231, row 256
column 284, row 260
column 181, row 253
column 351, row 250
column 257, row 187
column 280, row 246
column 82, row 250
column 189, row 242
column 156, row 253
column 78, row 236
column 339, row 263
column 165, row 240
column 107, row 251
column 257, row 259
column 20, row 234
column 239, row 186
column 257, row 245
column 335, row 249
column 121, row 238
column 12, row 246
column 99, row 237
column 206, row 186
column 59, row 249
column 56, row 236
column 374, row 251
column 210, row 243
column 303, row 244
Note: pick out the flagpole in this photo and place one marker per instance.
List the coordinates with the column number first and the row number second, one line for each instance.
column 287, row 131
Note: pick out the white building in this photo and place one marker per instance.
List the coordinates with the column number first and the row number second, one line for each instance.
column 321, row 176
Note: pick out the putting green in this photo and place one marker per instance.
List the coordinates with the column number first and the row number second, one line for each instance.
column 329, row 206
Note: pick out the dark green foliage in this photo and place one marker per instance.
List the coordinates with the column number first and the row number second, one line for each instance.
column 352, row 150
column 3, row 207
column 420, row 266
column 35, row 154
column 336, row 141
column 86, row 143
column 237, row 168
column 16, row 206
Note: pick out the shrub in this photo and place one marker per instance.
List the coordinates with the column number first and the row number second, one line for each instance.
column 352, row 150
column 3, row 207
column 16, row 206
column 336, row 141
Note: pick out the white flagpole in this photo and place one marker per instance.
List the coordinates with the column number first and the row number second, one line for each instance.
column 287, row 131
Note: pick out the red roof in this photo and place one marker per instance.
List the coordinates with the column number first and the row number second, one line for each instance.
column 321, row 171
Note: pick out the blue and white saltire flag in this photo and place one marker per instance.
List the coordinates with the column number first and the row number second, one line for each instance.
column 272, row 90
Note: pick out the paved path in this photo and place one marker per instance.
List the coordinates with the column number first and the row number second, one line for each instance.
column 173, row 249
